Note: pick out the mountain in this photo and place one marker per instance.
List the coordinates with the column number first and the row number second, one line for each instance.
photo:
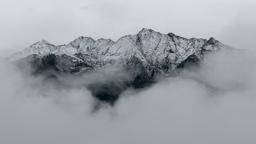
column 144, row 57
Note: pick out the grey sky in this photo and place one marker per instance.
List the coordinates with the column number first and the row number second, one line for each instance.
column 24, row 22
column 177, row 110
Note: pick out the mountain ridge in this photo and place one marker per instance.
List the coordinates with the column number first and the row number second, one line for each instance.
column 144, row 56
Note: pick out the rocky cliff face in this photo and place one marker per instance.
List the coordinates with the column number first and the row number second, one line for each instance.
column 143, row 56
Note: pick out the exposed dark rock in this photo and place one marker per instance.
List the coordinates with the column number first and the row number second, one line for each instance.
column 144, row 57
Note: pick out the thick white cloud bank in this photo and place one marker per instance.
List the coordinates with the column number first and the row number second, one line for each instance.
column 212, row 104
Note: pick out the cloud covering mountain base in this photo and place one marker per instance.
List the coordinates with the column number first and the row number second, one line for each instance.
column 213, row 103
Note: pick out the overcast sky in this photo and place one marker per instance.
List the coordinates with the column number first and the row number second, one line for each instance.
column 24, row 22
column 214, row 104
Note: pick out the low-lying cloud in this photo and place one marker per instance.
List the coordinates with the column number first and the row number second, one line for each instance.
column 213, row 103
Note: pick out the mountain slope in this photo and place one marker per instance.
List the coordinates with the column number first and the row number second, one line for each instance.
column 143, row 57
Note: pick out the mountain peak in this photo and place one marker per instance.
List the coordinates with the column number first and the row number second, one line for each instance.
column 147, row 31
column 172, row 34
column 41, row 42
column 212, row 40
column 147, row 44
column 143, row 56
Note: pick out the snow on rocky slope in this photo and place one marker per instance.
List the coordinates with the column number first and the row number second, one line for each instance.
column 144, row 56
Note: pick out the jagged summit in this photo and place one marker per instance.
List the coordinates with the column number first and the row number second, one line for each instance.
column 147, row 31
column 144, row 56
column 145, row 37
column 41, row 42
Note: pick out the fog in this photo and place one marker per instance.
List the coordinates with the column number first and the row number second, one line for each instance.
column 211, row 104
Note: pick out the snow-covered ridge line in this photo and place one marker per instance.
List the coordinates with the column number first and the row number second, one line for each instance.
column 152, row 42
column 148, row 47
column 143, row 57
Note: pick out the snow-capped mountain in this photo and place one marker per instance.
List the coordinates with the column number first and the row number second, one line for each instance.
column 144, row 56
